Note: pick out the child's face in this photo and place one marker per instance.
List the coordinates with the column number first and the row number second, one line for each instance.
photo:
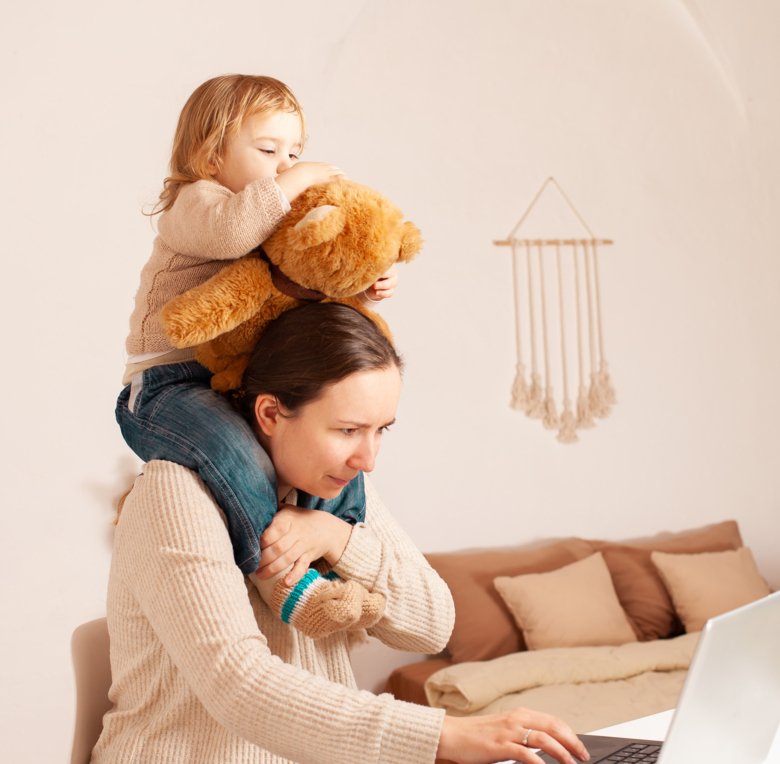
column 266, row 145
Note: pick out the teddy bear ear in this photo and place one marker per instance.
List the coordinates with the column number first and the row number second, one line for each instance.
column 318, row 225
column 411, row 242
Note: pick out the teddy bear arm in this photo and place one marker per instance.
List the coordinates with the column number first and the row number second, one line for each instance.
column 228, row 354
column 226, row 300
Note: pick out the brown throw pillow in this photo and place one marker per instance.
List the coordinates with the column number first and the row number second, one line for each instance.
column 638, row 584
column 572, row 606
column 484, row 627
column 710, row 583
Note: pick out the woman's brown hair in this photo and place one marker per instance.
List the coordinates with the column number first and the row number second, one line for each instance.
column 308, row 348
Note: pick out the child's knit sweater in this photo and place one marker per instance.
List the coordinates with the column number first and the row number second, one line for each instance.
column 207, row 227
column 204, row 673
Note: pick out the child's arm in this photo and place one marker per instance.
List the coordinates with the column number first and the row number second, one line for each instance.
column 379, row 556
column 304, row 174
column 297, row 537
column 210, row 221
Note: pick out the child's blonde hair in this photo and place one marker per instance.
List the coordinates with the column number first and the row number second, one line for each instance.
column 212, row 114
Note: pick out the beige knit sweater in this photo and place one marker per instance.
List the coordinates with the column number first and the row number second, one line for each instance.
column 204, row 673
column 207, row 226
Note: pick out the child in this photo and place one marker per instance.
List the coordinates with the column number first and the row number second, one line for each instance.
column 234, row 171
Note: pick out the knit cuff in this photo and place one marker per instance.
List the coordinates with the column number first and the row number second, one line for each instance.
column 282, row 198
column 302, row 592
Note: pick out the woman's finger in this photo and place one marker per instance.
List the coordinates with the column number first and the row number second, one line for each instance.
column 523, row 754
column 547, row 743
column 555, row 737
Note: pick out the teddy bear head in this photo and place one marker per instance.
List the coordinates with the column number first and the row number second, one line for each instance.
column 340, row 237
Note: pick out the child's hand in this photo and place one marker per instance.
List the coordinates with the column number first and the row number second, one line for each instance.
column 384, row 286
column 304, row 174
column 299, row 536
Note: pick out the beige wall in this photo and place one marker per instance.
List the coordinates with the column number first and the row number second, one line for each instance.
column 658, row 117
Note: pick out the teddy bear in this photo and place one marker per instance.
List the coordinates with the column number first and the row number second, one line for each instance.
column 334, row 243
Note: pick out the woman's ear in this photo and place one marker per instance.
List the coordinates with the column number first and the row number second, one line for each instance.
column 267, row 413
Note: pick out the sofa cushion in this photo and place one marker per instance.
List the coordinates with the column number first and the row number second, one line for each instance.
column 709, row 583
column 573, row 606
column 484, row 627
column 638, row 584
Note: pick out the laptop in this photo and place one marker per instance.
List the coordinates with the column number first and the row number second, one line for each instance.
column 729, row 707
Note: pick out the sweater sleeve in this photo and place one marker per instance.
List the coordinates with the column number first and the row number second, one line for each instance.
column 177, row 561
column 209, row 221
column 420, row 613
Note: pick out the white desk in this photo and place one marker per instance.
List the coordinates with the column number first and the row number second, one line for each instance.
column 656, row 726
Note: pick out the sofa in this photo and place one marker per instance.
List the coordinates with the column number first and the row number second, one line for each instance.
column 597, row 632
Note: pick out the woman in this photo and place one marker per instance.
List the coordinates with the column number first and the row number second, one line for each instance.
column 203, row 671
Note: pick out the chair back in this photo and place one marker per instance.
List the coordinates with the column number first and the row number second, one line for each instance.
column 89, row 649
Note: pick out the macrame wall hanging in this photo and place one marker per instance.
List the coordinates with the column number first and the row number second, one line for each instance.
column 558, row 326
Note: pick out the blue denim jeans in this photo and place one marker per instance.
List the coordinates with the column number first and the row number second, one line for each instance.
column 170, row 412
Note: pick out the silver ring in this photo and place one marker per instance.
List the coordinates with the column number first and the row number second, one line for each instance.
column 524, row 741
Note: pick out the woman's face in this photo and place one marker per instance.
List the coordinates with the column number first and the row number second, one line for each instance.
column 327, row 442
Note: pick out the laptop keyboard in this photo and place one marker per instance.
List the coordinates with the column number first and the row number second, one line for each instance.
column 635, row 752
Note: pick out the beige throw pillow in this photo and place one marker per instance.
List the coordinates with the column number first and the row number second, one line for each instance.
column 639, row 586
column 710, row 583
column 484, row 628
column 572, row 606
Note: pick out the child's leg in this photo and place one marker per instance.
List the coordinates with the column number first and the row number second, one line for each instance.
column 170, row 412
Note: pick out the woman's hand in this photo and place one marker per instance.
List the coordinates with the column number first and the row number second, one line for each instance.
column 299, row 536
column 384, row 286
column 498, row 737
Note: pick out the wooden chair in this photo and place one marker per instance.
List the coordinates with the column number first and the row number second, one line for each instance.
column 89, row 650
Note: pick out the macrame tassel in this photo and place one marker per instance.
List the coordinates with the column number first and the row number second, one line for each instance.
column 550, row 419
column 598, row 404
column 520, row 393
column 606, row 390
column 550, row 416
column 568, row 431
column 567, row 423
column 584, row 414
column 606, row 393
column 535, row 406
